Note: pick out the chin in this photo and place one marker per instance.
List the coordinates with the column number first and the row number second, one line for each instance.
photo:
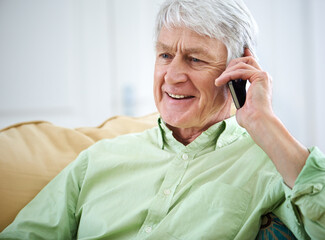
column 171, row 119
column 179, row 120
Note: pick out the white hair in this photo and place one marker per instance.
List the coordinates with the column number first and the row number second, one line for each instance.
column 229, row 21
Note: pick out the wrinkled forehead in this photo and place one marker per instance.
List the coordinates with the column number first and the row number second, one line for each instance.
column 172, row 39
column 188, row 43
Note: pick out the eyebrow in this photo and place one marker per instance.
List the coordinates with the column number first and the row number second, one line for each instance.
column 202, row 51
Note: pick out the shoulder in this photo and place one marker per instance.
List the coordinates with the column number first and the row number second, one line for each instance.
column 125, row 143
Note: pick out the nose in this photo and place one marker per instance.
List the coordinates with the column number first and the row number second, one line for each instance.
column 176, row 71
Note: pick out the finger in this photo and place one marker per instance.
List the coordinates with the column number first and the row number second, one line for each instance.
column 239, row 71
column 233, row 75
column 248, row 53
column 240, row 65
column 247, row 74
column 248, row 58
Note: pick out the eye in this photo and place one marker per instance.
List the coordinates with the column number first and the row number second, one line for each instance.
column 164, row 55
column 193, row 59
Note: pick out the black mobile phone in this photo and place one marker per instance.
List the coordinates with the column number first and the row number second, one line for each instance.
column 238, row 91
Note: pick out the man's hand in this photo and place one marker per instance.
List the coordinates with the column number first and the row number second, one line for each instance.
column 257, row 116
column 259, row 94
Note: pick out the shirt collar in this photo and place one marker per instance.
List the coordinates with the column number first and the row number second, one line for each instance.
column 220, row 134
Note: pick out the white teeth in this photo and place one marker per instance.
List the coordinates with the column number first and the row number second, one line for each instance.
column 176, row 96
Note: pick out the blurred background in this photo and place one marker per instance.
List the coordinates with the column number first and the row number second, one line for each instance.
column 78, row 62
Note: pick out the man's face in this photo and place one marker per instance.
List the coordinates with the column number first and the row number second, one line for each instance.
column 187, row 65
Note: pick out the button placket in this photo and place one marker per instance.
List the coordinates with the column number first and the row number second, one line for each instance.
column 162, row 202
column 185, row 159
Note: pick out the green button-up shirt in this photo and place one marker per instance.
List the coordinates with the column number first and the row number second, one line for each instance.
column 150, row 186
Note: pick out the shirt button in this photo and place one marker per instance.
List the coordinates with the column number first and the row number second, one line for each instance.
column 184, row 156
column 148, row 229
column 167, row 192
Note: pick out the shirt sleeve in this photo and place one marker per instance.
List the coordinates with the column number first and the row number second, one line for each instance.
column 51, row 214
column 305, row 203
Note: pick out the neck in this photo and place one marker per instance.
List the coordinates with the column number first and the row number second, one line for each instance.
column 188, row 135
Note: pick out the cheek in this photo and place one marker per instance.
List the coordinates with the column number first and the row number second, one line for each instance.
column 215, row 97
column 159, row 73
column 209, row 92
column 158, row 81
column 221, row 94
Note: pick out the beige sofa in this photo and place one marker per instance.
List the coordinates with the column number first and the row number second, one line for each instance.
column 32, row 153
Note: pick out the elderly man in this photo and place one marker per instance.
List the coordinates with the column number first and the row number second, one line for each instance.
column 198, row 174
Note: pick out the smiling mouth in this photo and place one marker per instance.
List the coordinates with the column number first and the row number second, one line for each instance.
column 176, row 96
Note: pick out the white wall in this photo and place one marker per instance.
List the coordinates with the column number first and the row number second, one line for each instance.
column 78, row 62
column 291, row 49
column 75, row 62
